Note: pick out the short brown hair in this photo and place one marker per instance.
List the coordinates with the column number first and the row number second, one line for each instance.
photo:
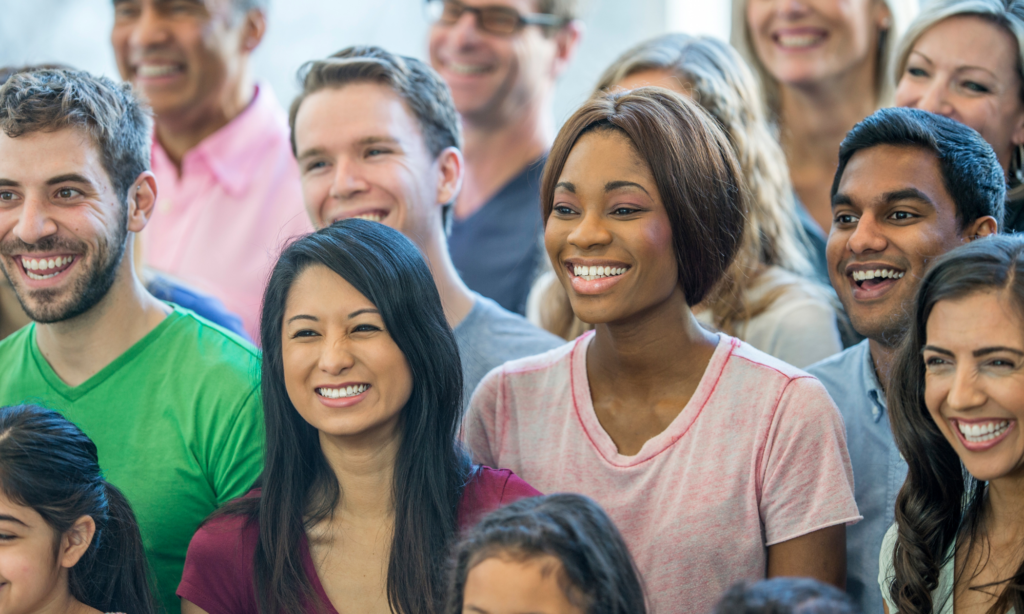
column 51, row 99
column 693, row 165
column 422, row 90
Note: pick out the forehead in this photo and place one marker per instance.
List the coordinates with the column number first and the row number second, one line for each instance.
column 522, row 6
column 977, row 319
column 214, row 6
column 318, row 289
column 38, row 156
column 970, row 40
column 353, row 112
column 875, row 171
column 605, row 154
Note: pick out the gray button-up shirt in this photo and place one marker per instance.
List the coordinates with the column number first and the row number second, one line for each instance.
column 878, row 469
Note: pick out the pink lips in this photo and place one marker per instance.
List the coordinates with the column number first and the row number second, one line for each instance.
column 343, row 401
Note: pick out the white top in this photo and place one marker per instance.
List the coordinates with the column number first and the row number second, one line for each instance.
column 942, row 596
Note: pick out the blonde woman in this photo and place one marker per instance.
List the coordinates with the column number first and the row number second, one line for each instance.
column 824, row 65
column 963, row 59
column 766, row 297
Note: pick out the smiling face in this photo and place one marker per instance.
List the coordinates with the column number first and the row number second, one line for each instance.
column 608, row 235
column 499, row 585
column 371, row 162
column 344, row 373
column 965, row 68
column 891, row 217
column 815, row 40
column 974, row 381
column 185, row 56
column 492, row 77
column 63, row 228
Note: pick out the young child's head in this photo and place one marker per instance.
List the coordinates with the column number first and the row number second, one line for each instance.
column 66, row 535
column 785, row 596
column 558, row 554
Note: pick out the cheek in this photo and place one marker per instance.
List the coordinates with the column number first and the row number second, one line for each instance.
column 657, row 241
column 298, row 364
column 399, row 378
column 555, row 233
column 935, row 390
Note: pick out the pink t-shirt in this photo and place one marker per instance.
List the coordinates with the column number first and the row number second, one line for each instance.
column 218, row 567
column 758, row 456
column 220, row 225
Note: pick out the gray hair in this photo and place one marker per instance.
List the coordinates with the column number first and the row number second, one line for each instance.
column 49, row 99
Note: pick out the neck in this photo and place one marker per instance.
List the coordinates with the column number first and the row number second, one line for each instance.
column 496, row 152
column 1003, row 505
column 178, row 133
column 62, row 602
column 882, row 356
column 365, row 468
column 456, row 298
column 662, row 344
column 79, row 348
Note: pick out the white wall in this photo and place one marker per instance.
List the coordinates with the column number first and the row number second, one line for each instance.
column 76, row 32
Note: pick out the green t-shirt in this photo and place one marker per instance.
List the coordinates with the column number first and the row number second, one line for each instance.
column 177, row 421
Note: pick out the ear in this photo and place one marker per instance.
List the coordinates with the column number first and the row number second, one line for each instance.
column 141, row 201
column 981, row 227
column 75, row 542
column 450, row 170
column 567, row 40
column 253, row 30
column 883, row 16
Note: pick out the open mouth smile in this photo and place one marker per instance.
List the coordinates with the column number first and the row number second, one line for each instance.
column 377, row 215
column 869, row 284
column 39, row 269
column 594, row 279
column 978, row 436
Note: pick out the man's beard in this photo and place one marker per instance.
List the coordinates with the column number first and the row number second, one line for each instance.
column 45, row 306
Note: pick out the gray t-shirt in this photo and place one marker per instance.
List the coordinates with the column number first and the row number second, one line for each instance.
column 490, row 336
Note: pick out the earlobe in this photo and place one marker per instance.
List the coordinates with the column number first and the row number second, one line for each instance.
column 451, row 170
column 142, row 199
column 982, row 227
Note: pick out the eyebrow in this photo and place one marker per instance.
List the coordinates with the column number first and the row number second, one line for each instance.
column 608, row 187
column 958, row 68
column 306, row 316
column 9, row 518
column 976, row 353
column 309, row 153
column 889, row 197
column 68, row 178
column 9, row 183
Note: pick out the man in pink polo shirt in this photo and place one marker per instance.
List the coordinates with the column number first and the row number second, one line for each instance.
column 229, row 187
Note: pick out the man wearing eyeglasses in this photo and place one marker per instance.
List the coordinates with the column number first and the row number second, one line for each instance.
column 501, row 59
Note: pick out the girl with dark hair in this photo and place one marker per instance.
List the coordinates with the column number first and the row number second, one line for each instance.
column 69, row 541
column 956, row 401
column 559, row 554
column 717, row 462
column 365, row 485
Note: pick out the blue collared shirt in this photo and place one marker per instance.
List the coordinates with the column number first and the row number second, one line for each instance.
column 878, row 468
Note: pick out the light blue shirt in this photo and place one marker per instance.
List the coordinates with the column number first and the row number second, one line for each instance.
column 878, row 468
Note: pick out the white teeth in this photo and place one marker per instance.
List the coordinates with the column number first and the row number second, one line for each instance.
column 467, row 69
column 370, row 217
column 44, row 264
column 156, row 70
column 978, row 433
column 596, row 272
column 798, row 40
column 341, row 393
column 880, row 273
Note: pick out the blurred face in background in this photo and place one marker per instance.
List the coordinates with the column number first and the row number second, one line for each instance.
column 371, row 162
column 806, row 42
column 967, row 68
column 187, row 57
column 494, row 76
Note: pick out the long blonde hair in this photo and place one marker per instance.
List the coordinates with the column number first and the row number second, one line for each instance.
column 715, row 76
column 902, row 12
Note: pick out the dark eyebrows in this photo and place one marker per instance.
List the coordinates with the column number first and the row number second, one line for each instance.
column 68, row 178
column 618, row 185
column 9, row 518
column 302, row 316
column 993, row 350
column 373, row 140
column 568, row 186
column 907, row 194
column 9, row 183
column 358, row 312
column 841, row 199
column 937, row 350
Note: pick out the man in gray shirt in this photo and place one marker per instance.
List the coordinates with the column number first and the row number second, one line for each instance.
column 910, row 186
column 377, row 137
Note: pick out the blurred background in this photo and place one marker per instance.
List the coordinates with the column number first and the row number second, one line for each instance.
column 76, row 32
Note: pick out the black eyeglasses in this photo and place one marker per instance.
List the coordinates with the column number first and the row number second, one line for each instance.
column 494, row 19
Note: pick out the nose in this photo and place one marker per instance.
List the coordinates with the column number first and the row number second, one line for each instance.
column 335, row 358
column 867, row 237
column 965, row 394
column 348, row 180
column 464, row 33
column 34, row 223
column 149, row 29
column 934, row 100
column 590, row 232
column 790, row 8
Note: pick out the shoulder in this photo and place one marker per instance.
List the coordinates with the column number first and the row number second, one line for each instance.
column 487, row 490
column 491, row 328
column 754, row 363
column 840, row 368
column 226, row 542
column 764, row 381
column 211, row 349
column 16, row 342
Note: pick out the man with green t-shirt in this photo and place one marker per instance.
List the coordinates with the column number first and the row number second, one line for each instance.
column 170, row 399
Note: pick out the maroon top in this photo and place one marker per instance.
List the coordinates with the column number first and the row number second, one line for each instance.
column 218, row 567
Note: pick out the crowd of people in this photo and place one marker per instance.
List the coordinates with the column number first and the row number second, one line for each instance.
column 745, row 334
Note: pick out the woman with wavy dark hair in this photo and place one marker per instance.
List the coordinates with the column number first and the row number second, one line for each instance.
column 956, row 400
column 69, row 541
column 365, row 486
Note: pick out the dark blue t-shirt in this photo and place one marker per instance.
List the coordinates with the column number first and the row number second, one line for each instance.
column 209, row 307
column 498, row 249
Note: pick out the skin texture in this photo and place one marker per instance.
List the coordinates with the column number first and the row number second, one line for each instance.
column 57, row 200
column 965, row 68
column 205, row 44
column 504, row 93
column 501, row 585
column 655, row 77
column 891, row 211
column 373, row 160
column 32, row 579
column 825, row 87
column 974, row 360
column 649, row 352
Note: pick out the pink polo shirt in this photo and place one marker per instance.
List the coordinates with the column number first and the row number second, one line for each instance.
column 756, row 457
column 221, row 225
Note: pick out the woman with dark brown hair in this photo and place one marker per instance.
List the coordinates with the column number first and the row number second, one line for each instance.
column 956, row 399
column 717, row 462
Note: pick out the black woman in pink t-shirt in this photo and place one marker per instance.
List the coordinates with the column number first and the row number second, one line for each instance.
column 365, row 487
